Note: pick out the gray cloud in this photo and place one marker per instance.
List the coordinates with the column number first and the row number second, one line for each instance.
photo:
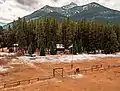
column 5, row 19
column 23, row 7
column 27, row 2
column 2, row 1
column 54, row 0
column 26, row 5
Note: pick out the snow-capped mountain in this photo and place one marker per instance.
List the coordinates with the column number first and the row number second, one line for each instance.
column 64, row 10
column 91, row 11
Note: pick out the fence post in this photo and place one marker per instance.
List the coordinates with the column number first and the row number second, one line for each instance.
column 18, row 82
column 28, row 81
column 62, row 72
column 38, row 79
column 4, row 85
column 53, row 72
column 108, row 66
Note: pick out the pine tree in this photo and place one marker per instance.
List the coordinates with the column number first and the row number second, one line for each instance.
column 39, row 33
column 47, row 33
column 65, row 32
column 75, row 48
column 111, row 43
column 92, row 37
column 30, row 49
column 20, row 34
column 53, row 50
column 42, row 50
column 80, row 48
column 53, row 30
column 117, row 31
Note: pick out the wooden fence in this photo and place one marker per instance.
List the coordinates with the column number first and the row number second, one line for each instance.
column 24, row 82
column 98, row 67
column 55, row 71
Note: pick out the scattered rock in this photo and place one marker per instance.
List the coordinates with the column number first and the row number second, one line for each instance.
column 77, row 76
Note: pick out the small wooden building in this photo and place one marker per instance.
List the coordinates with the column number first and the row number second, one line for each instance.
column 60, row 48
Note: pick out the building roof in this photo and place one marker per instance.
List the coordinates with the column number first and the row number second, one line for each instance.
column 60, row 46
column 70, row 46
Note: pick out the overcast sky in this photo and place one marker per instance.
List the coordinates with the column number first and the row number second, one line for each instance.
column 11, row 9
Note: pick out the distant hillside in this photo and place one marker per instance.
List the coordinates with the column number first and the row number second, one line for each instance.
column 2, row 24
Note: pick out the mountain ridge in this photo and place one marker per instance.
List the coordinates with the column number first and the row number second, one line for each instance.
column 90, row 11
column 76, row 9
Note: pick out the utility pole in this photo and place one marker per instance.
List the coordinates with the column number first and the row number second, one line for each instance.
column 72, row 58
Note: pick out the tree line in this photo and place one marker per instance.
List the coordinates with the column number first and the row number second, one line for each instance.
column 85, row 36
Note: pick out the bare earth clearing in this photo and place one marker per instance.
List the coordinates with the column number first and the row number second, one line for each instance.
column 16, row 70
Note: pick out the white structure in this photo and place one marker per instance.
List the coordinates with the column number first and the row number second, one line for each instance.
column 70, row 46
column 15, row 47
column 59, row 46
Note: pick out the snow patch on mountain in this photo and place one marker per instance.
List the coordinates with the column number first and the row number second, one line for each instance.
column 47, row 9
column 85, row 8
column 93, row 4
column 70, row 9
column 71, row 5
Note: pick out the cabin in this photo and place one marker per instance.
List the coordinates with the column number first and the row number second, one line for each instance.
column 60, row 48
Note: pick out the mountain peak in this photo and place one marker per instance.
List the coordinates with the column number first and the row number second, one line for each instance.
column 71, row 5
column 46, row 6
column 47, row 9
column 94, row 4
